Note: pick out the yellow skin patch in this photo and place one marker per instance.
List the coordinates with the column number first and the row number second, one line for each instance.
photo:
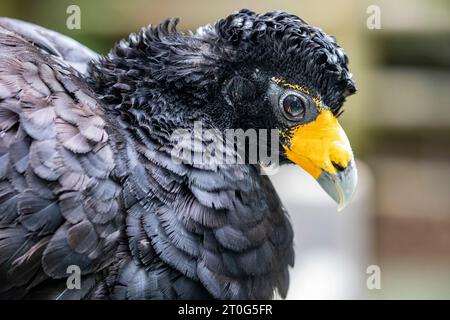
column 283, row 83
column 321, row 148
column 315, row 145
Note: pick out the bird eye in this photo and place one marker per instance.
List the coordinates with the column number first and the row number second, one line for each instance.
column 293, row 106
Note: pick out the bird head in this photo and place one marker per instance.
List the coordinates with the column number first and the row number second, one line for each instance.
column 279, row 72
column 248, row 71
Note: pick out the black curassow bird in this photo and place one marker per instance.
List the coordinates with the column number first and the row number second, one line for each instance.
column 86, row 174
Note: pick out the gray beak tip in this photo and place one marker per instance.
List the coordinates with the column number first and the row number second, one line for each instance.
column 340, row 186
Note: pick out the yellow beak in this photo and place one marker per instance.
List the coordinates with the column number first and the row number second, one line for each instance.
column 322, row 149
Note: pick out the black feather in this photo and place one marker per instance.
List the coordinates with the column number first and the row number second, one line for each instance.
column 91, row 173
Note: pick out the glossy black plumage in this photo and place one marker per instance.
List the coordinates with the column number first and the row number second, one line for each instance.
column 86, row 176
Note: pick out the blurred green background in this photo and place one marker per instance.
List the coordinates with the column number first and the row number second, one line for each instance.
column 398, row 123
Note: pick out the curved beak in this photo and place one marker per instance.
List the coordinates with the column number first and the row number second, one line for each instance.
column 322, row 149
column 340, row 186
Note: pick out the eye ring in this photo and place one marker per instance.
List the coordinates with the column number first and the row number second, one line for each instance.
column 293, row 106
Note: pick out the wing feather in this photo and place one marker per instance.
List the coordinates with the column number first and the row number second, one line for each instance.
column 58, row 203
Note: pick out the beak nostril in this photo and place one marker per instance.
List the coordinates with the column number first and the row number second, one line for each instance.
column 338, row 167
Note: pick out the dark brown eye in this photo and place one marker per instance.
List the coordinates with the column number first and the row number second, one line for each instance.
column 293, row 106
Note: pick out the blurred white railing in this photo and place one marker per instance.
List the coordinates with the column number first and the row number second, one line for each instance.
column 333, row 249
